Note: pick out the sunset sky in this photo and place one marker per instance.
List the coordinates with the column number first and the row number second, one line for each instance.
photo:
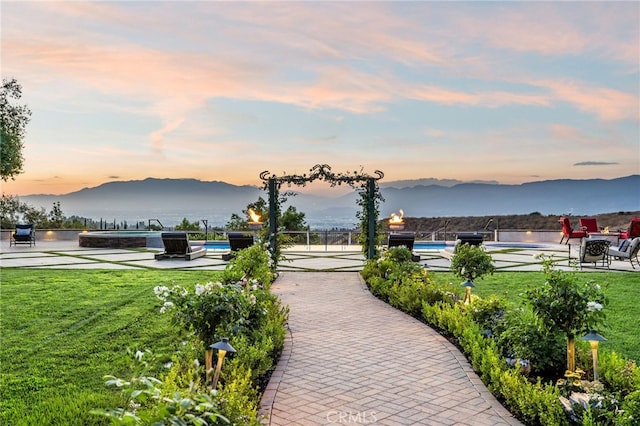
column 505, row 91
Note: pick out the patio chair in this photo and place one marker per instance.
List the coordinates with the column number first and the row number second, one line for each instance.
column 633, row 231
column 589, row 224
column 401, row 240
column 594, row 251
column 471, row 238
column 627, row 250
column 176, row 246
column 404, row 240
column 24, row 234
column 237, row 242
column 568, row 232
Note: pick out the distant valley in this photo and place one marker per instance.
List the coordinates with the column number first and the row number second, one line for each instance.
column 171, row 200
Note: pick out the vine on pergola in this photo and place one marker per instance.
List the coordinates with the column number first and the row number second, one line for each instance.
column 365, row 184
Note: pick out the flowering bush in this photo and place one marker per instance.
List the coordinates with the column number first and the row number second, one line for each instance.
column 214, row 310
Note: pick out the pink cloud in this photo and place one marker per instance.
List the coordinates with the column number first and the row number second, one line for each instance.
column 607, row 104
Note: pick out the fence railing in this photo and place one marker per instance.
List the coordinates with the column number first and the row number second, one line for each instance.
column 327, row 239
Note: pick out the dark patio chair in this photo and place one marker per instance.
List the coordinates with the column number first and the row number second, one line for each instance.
column 471, row 238
column 237, row 242
column 404, row 240
column 176, row 246
column 24, row 234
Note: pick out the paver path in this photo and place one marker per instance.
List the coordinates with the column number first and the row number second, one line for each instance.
column 352, row 359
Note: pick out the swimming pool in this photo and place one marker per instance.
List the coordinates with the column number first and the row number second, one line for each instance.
column 217, row 245
column 430, row 245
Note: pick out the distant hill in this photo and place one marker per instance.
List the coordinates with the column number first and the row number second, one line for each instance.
column 428, row 182
column 564, row 196
column 170, row 200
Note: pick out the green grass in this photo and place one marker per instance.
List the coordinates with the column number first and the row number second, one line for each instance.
column 622, row 289
column 62, row 330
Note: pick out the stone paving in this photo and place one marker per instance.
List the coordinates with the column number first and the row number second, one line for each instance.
column 352, row 359
column 67, row 254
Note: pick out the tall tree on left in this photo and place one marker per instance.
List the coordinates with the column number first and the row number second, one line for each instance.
column 13, row 122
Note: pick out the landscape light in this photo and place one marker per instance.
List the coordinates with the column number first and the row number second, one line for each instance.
column 594, row 338
column 223, row 347
column 467, row 291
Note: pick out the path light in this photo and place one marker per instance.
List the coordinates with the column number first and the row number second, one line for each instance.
column 467, row 292
column 223, row 347
column 594, row 338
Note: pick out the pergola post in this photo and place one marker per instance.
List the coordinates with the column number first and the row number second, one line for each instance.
column 273, row 216
column 371, row 230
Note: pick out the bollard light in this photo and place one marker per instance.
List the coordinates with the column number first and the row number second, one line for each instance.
column 223, row 347
column 467, row 292
column 594, row 338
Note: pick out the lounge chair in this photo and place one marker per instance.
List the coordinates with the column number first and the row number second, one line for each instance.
column 633, row 231
column 594, row 251
column 568, row 232
column 237, row 242
column 404, row 240
column 589, row 224
column 473, row 238
column 626, row 250
column 24, row 234
column 176, row 246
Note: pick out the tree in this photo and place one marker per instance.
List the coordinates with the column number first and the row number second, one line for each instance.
column 13, row 122
column 56, row 217
column 185, row 225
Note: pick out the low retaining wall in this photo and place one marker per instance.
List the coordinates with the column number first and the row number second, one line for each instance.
column 48, row 234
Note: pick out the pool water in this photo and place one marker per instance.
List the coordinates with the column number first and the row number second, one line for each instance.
column 429, row 245
column 217, row 245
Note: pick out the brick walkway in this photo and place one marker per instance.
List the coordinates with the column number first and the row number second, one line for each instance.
column 352, row 359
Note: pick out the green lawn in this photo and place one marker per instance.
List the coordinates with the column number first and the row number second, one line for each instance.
column 622, row 289
column 62, row 330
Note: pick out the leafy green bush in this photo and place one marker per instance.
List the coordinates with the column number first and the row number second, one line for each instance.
column 471, row 262
column 522, row 335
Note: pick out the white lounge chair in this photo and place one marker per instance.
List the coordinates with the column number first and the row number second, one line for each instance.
column 627, row 251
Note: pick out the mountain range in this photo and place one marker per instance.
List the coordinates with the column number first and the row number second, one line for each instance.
column 171, row 200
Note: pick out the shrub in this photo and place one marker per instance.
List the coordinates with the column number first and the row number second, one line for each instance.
column 471, row 262
column 522, row 335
